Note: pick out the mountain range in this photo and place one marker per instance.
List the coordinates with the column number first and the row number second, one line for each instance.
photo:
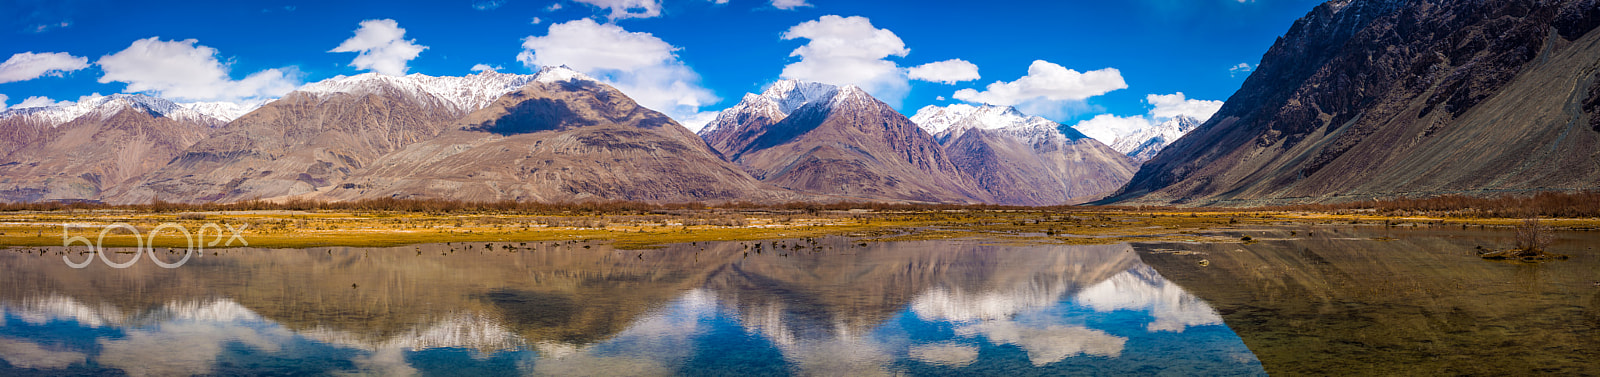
column 563, row 137
column 836, row 140
column 316, row 136
column 78, row 151
column 1360, row 99
column 839, row 141
column 1025, row 160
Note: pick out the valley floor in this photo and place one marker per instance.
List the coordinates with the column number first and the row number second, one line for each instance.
column 300, row 229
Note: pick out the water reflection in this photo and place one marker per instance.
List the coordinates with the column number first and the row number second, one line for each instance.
column 815, row 307
column 1142, row 289
column 28, row 355
column 1364, row 301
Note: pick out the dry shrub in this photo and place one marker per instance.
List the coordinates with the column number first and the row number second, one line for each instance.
column 1533, row 236
column 1543, row 204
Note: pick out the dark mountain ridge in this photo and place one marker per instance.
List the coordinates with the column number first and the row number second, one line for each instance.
column 1369, row 99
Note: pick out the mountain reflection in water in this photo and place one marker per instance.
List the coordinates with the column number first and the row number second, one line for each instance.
column 826, row 307
column 1398, row 301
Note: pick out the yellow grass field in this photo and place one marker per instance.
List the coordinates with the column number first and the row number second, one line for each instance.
column 299, row 229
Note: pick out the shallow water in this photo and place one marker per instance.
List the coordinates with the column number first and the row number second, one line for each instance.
column 1327, row 300
column 830, row 308
column 1400, row 301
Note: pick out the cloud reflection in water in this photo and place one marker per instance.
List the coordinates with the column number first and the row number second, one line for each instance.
column 879, row 311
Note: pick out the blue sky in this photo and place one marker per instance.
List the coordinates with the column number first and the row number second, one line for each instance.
column 694, row 56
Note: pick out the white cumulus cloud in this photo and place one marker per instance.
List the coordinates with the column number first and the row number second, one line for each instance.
column 1172, row 105
column 849, row 51
column 789, row 4
column 1107, row 127
column 382, row 47
column 1047, row 81
column 185, row 71
column 28, row 65
column 34, row 101
column 1240, row 69
column 37, row 101
column 586, row 46
column 644, row 67
column 949, row 72
column 485, row 67
column 624, row 9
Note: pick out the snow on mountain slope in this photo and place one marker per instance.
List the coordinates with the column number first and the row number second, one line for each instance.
column 776, row 102
column 1024, row 160
column 560, row 73
column 949, row 122
column 464, row 94
column 225, row 111
column 752, row 105
column 1143, row 145
column 835, row 140
column 935, row 119
column 790, row 95
column 107, row 106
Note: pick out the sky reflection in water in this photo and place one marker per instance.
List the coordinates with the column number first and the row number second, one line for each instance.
column 832, row 308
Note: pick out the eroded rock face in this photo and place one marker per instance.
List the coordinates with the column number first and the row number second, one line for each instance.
column 103, row 144
column 294, row 145
column 1052, row 172
column 317, row 136
column 1592, row 106
column 1382, row 98
column 558, row 141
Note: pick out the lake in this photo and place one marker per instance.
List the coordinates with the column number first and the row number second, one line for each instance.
column 1325, row 300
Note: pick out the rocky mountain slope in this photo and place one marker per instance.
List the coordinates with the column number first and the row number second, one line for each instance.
column 320, row 134
column 1023, row 160
column 563, row 138
column 1383, row 98
column 1144, row 144
column 830, row 140
column 79, row 151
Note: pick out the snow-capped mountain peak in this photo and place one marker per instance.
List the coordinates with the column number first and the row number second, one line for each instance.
column 950, row 122
column 464, row 93
column 558, row 74
column 225, row 111
column 790, row 95
column 779, row 100
column 751, row 104
column 848, row 94
column 935, row 119
column 107, row 106
column 1143, row 144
